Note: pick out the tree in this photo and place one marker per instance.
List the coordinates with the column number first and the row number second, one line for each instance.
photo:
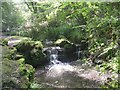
column 11, row 17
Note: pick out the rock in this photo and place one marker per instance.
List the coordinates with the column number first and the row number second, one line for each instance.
column 98, row 61
column 3, row 41
column 8, row 52
column 18, row 56
column 11, row 74
column 62, row 42
column 69, row 48
column 32, row 51
column 11, row 43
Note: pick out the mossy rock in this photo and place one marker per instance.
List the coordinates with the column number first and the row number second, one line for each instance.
column 32, row 52
column 62, row 42
column 27, row 70
column 69, row 47
column 8, row 52
column 11, row 74
column 21, row 61
column 3, row 41
column 27, row 45
column 18, row 56
column 18, row 37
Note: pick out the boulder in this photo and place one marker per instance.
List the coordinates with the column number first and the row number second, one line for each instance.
column 69, row 47
column 3, row 41
column 32, row 52
column 12, row 76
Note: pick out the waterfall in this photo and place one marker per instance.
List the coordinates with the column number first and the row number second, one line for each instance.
column 78, row 52
column 54, row 56
column 56, row 68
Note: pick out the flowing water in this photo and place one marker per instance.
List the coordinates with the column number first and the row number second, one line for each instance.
column 73, row 74
column 56, row 68
column 78, row 53
column 67, row 75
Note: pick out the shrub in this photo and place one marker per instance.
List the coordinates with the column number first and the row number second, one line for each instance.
column 76, row 36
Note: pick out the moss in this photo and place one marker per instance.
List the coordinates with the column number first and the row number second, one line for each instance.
column 8, row 52
column 69, row 47
column 18, row 56
column 21, row 61
column 38, row 44
column 28, row 45
column 11, row 74
column 18, row 37
column 3, row 41
column 62, row 42
column 32, row 51
column 27, row 71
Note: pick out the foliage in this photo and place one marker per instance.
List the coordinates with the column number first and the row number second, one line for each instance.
column 32, row 51
column 111, row 65
column 11, row 17
column 76, row 36
column 17, row 32
column 92, row 26
column 11, row 70
column 28, row 71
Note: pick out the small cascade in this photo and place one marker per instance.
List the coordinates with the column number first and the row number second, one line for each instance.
column 53, row 55
column 78, row 52
column 54, row 59
column 56, row 68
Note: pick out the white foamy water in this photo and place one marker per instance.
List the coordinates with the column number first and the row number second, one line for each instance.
column 58, row 69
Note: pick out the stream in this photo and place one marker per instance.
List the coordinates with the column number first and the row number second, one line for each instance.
column 73, row 74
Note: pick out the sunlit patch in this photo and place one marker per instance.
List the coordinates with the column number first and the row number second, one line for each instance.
column 13, row 42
